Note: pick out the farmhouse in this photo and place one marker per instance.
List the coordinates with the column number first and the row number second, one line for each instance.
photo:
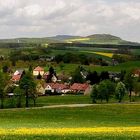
column 80, row 88
column 38, row 70
column 17, row 75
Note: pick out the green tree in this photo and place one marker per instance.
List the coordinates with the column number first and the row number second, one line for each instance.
column 120, row 91
column 28, row 84
column 18, row 92
column 5, row 69
column 77, row 77
column 30, row 68
column 3, row 83
column 94, row 93
column 129, row 83
column 106, row 89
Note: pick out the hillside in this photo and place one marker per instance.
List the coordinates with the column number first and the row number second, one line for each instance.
column 101, row 39
column 92, row 39
column 29, row 40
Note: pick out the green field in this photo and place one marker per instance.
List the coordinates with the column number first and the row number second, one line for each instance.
column 69, row 68
column 100, row 122
column 57, row 100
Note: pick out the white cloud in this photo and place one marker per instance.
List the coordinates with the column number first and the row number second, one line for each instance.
column 78, row 17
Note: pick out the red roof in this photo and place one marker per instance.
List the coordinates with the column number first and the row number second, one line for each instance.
column 79, row 87
column 16, row 77
column 38, row 69
column 56, row 86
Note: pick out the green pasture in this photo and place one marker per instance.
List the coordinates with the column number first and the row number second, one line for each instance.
column 69, row 68
column 111, row 115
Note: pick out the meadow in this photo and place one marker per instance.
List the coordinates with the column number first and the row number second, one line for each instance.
column 99, row 122
column 69, row 68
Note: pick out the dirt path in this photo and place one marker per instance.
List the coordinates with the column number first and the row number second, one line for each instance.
column 61, row 106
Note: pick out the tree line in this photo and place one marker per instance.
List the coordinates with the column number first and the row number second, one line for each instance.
column 107, row 89
column 22, row 93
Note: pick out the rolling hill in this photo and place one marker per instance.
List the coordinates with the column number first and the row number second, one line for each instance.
column 101, row 39
column 92, row 39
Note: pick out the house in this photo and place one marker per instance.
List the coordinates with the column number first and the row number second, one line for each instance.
column 38, row 70
column 19, row 72
column 17, row 75
column 80, row 88
column 56, row 87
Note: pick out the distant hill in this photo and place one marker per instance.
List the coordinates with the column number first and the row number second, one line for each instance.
column 101, row 39
column 30, row 40
column 63, row 37
column 92, row 39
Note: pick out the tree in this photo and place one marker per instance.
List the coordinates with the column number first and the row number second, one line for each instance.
column 129, row 83
column 77, row 77
column 18, row 92
column 5, row 69
column 104, row 75
column 51, row 73
column 120, row 91
column 28, row 84
column 106, row 89
column 94, row 93
column 39, row 77
column 93, row 77
column 30, row 68
column 122, row 75
column 3, row 83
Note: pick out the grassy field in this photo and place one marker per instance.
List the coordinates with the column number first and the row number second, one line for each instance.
column 69, row 68
column 99, row 122
column 56, row 100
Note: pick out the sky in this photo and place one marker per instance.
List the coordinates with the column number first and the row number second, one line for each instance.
column 41, row 18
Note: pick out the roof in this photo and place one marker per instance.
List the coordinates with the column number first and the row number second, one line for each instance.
column 16, row 77
column 19, row 72
column 56, row 86
column 39, row 69
column 78, row 86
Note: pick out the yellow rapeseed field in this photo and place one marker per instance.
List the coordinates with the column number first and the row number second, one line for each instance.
column 104, row 54
column 77, row 39
column 70, row 131
column 100, row 53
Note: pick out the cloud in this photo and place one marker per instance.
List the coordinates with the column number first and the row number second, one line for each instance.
column 34, row 18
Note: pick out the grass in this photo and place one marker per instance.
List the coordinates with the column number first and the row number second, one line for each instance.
column 56, row 100
column 112, row 121
column 69, row 68
column 123, row 66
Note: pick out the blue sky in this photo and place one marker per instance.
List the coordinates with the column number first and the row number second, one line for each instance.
column 40, row 18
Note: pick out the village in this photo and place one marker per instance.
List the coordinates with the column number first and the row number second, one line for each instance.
column 52, row 84
column 54, row 87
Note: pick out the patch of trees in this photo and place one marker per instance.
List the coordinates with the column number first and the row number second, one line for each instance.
column 107, row 89
column 56, row 45
column 122, row 58
column 95, row 78
column 14, row 96
column 19, row 45
column 79, row 58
